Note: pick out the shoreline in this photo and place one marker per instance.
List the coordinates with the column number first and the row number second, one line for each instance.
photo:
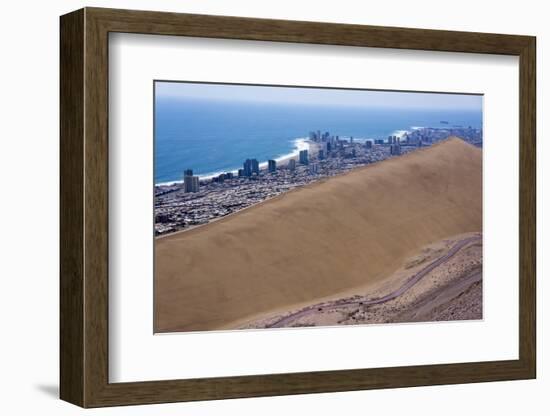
column 298, row 225
column 176, row 209
column 300, row 143
column 271, row 199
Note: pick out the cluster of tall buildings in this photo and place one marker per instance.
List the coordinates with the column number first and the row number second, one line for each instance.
column 250, row 167
column 222, row 177
column 333, row 143
column 328, row 143
column 393, row 140
column 317, row 136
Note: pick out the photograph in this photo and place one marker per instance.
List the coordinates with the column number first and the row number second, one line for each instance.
column 283, row 205
column 291, row 206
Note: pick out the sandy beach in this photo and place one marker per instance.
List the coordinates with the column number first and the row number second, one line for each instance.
column 330, row 237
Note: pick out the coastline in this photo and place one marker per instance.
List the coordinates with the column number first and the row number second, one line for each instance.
column 300, row 143
column 329, row 210
column 176, row 209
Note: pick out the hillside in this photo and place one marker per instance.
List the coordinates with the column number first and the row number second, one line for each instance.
column 316, row 241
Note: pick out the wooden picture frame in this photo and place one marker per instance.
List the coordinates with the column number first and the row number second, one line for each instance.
column 84, row 207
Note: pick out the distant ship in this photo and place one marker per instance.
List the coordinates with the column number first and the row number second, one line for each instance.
column 444, row 122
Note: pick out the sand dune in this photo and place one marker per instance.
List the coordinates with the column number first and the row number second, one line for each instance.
column 328, row 237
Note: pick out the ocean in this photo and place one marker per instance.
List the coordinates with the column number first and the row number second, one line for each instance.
column 211, row 137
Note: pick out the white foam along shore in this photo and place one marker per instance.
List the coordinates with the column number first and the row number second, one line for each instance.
column 301, row 143
column 396, row 133
column 401, row 133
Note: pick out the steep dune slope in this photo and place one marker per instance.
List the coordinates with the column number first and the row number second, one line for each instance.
column 316, row 241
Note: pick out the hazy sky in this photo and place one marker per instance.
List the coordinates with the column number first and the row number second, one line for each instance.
column 316, row 96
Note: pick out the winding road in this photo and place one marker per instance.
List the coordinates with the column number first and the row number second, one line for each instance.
column 284, row 321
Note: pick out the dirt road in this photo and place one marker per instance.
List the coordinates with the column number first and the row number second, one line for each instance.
column 284, row 321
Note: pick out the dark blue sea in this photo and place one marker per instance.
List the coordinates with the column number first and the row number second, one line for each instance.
column 217, row 136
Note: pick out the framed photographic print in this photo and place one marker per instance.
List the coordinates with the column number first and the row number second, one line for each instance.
column 255, row 207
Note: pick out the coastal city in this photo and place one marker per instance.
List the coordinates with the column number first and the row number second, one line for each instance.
column 196, row 201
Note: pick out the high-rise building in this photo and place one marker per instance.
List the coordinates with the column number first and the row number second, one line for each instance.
column 251, row 166
column 271, row 166
column 321, row 154
column 304, row 160
column 247, row 168
column 190, row 182
column 195, row 184
column 292, row 164
column 314, row 168
column 395, row 149
column 241, row 173
column 368, row 144
column 255, row 166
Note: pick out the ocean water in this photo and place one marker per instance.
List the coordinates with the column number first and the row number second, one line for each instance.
column 217, row 136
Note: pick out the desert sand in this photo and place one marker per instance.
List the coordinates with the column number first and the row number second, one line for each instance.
column 442, row 282
column 349, row 231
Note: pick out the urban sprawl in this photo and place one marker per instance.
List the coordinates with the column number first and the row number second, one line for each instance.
column 198, row 201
